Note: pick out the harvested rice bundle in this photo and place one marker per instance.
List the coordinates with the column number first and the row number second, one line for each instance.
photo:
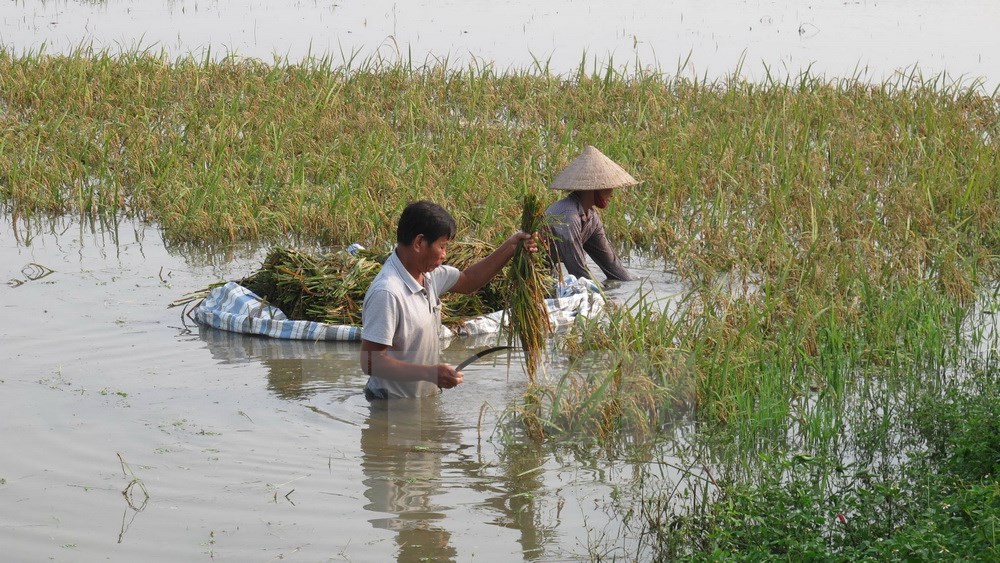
column 529, row 317
column 323, row 288
column 457, row 306
column 330, row 288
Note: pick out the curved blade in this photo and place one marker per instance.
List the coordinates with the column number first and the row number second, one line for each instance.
column 480, row 354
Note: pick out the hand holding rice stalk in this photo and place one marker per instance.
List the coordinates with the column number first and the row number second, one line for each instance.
column 529, row 317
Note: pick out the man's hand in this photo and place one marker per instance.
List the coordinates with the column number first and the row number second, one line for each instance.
column 530, row 241
column 479, row 274
column 447, row 377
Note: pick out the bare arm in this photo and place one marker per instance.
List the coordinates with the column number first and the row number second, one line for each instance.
column 377, row 359
column 479, row 274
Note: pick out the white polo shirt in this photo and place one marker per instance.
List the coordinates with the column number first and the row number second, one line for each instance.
column 406, row 316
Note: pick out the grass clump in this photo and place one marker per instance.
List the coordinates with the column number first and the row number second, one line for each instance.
column 620, row 384
column 941, row 503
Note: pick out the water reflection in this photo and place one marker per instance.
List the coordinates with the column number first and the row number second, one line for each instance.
column 413, row 454
column 296, row 369
column 420, row 458
column 518, row 500
column 403, row 446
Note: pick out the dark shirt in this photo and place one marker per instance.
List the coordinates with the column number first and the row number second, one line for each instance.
column 577, row 234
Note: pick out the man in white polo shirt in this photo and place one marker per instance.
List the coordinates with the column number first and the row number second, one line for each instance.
column 401, row 315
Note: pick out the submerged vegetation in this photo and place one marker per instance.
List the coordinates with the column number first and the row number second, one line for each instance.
column 838, row 241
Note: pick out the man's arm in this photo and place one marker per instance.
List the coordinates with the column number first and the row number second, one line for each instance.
column 376, row 359
column 479, row 274
column 569, row 249
column 599, row 248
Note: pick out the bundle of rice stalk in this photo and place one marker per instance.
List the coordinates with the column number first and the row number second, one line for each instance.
column 330, row 288
column 529, row 317
column 326, row 288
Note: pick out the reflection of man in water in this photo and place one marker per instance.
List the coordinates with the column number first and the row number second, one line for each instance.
column 409, row 449
column 402, row 449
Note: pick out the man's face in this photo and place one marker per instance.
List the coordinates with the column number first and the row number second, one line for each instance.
column 602, row 198
column 432, row 254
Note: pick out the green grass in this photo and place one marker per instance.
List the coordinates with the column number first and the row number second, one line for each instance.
column 939, row 501
column 238, row 149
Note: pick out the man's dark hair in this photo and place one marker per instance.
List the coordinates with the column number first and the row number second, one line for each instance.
column 424, row 218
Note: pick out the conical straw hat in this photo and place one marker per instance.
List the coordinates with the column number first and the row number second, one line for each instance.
column 592, row 171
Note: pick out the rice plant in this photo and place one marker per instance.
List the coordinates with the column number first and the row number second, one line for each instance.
column 529, row 316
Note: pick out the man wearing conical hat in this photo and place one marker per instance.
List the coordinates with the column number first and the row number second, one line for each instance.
column 577, row 230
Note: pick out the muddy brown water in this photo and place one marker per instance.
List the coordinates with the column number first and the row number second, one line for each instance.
column 250, row 449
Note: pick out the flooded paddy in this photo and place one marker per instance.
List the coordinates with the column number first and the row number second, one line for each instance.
column 827, row 353
column 249, row 448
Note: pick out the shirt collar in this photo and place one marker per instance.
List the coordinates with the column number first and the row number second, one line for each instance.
column 404, row 274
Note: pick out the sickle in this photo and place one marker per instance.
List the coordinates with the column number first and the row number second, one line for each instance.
column 480, row 354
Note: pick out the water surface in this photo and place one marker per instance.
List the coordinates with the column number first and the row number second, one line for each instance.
column 837, row 38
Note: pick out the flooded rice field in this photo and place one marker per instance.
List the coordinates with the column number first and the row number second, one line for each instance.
column 130, row 433
column 249, row 449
